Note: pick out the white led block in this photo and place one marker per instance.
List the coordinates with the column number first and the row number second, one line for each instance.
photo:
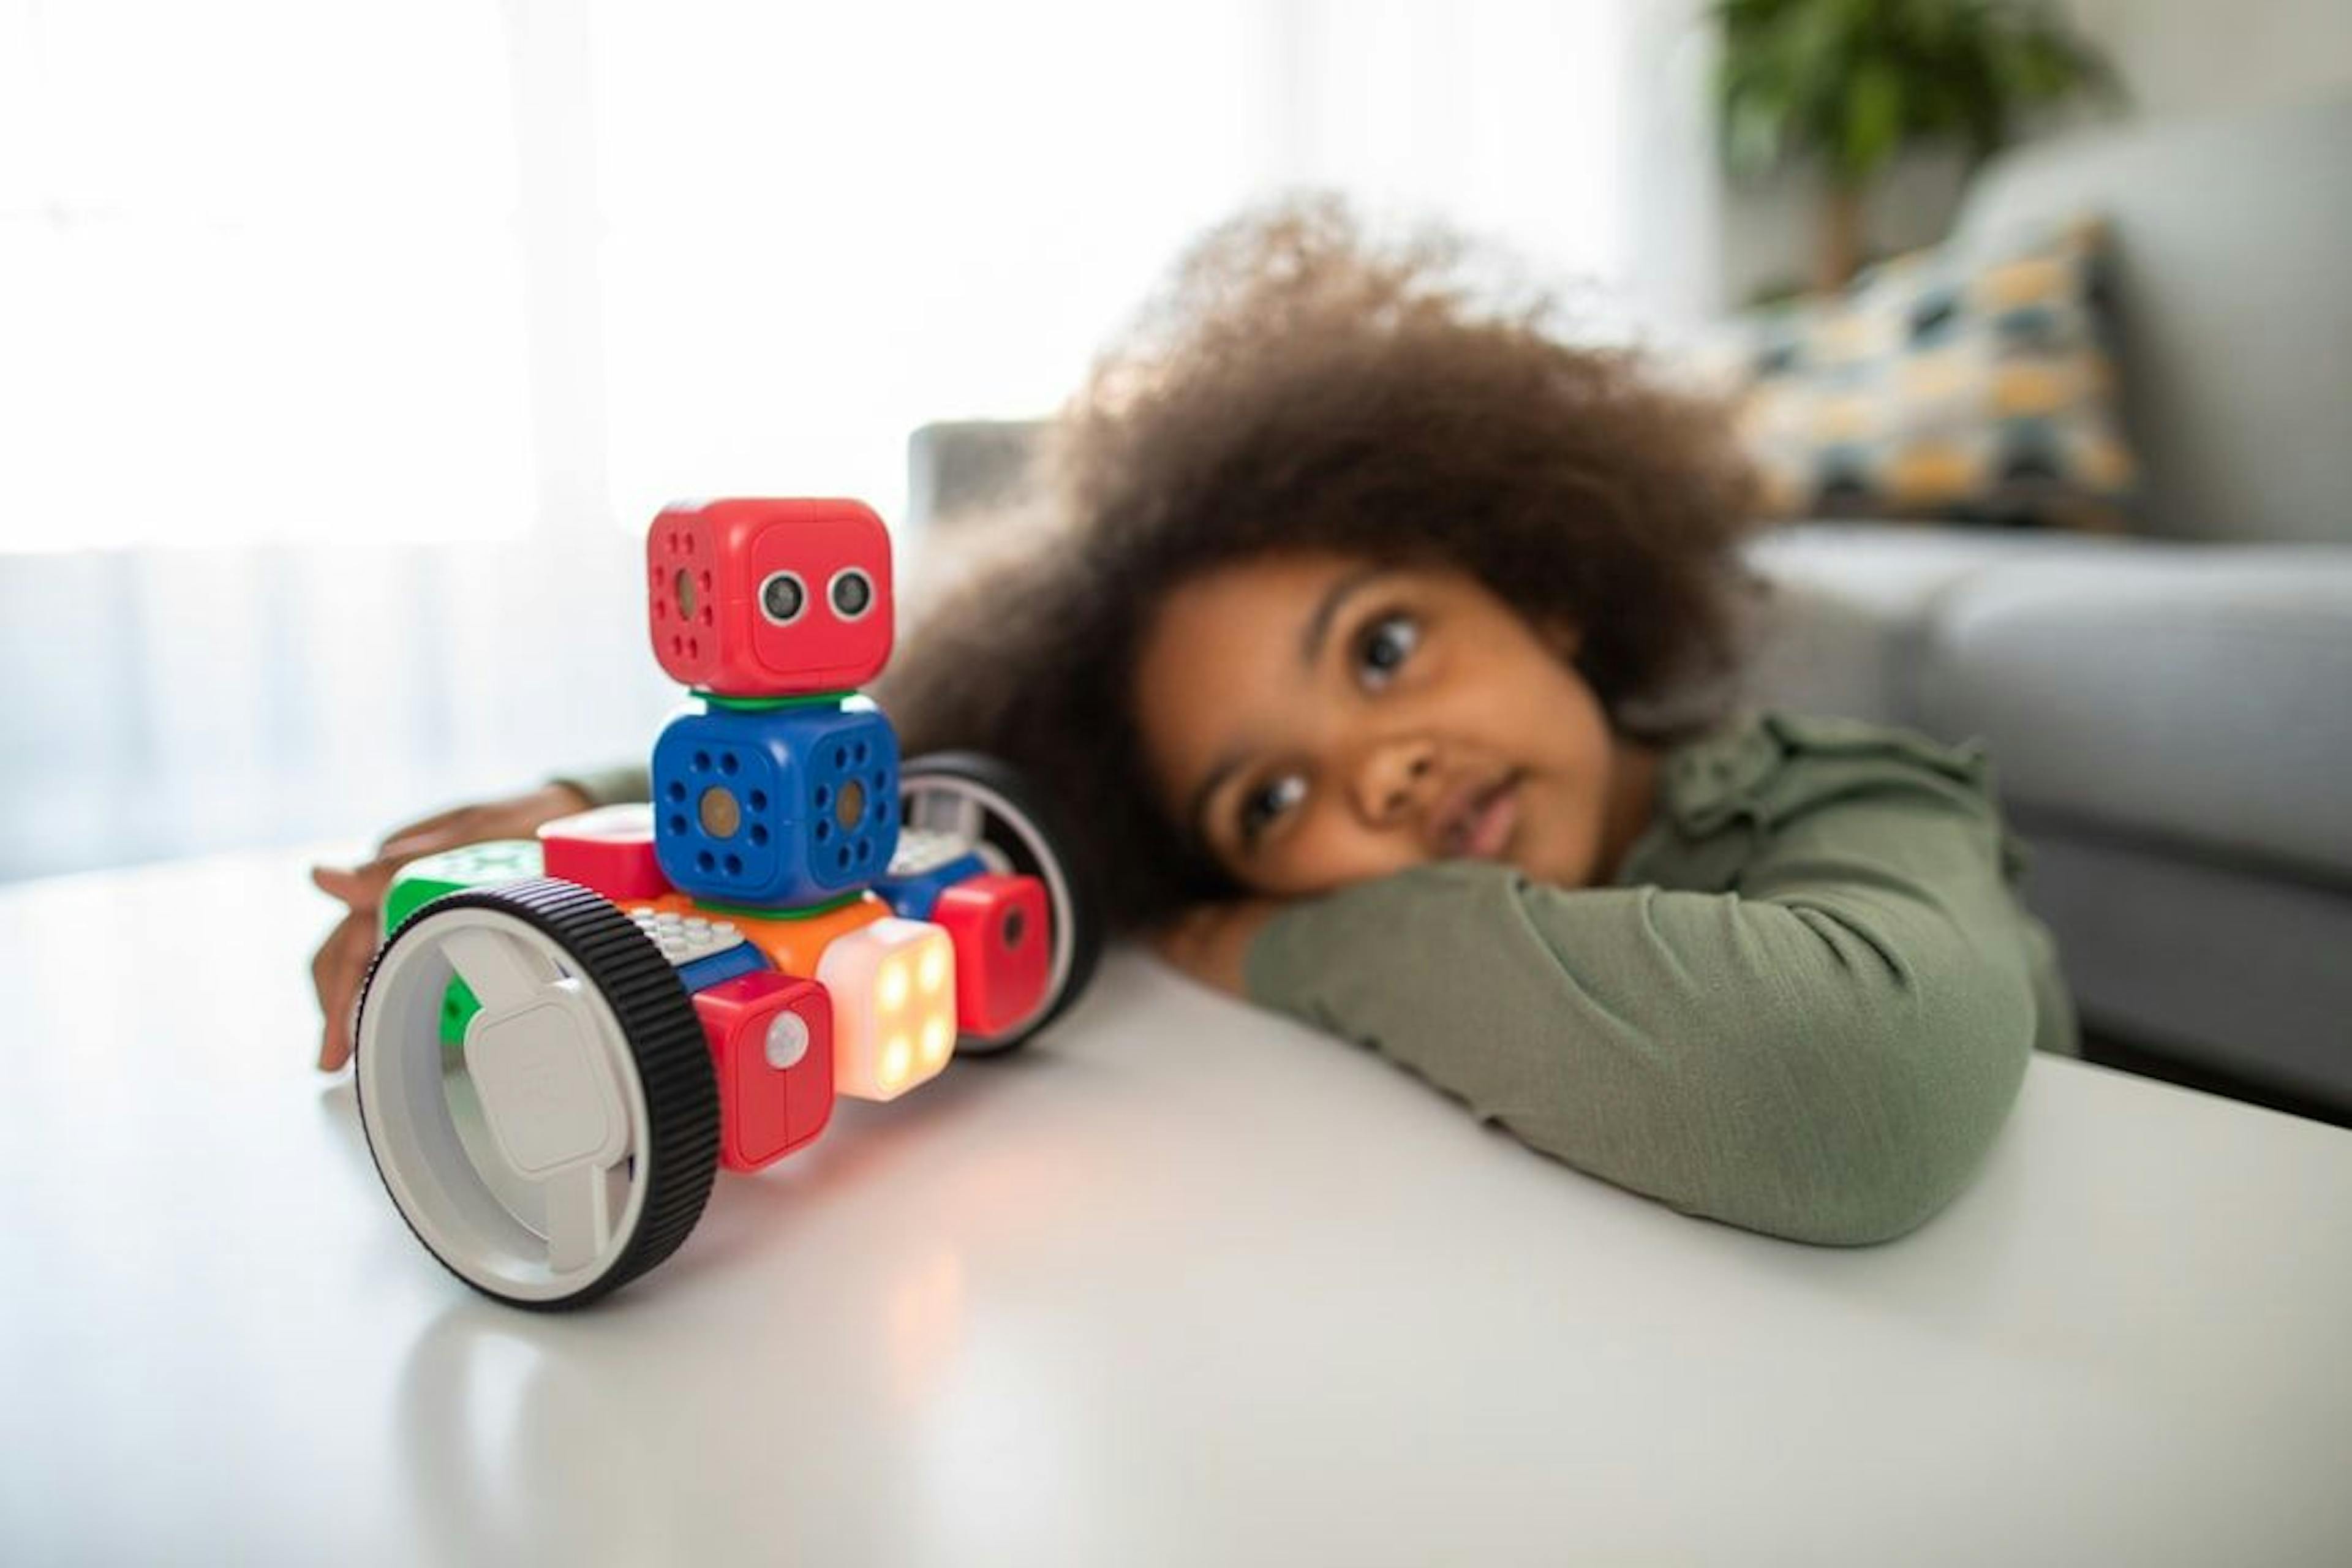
column 893, row 1014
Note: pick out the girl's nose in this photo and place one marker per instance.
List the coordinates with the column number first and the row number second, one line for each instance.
column 1396, row 779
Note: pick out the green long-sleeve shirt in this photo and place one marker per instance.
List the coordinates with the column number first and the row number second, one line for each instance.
column 1804, row 1006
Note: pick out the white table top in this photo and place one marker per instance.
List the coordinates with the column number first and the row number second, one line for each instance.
column 1182, row 1284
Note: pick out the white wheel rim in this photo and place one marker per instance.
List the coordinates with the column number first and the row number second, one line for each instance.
column 532, row 1234
column 949, row 803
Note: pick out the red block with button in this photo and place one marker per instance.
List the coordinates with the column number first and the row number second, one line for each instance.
column 770, row 598
column 610, row 849
column 1003, row 949
column 771, row 1045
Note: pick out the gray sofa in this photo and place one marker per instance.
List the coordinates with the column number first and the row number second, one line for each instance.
column 2171, row 712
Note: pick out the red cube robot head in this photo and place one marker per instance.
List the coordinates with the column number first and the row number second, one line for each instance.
column 770, row 598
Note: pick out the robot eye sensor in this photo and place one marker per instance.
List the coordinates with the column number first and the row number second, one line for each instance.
column 851, row 594
column 783, row 597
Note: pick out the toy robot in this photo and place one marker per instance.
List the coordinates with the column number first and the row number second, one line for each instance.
column 561, row 1041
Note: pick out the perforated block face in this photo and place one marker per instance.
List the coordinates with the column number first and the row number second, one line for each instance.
column 781, row 806
column 683, row 595
column 770, row 598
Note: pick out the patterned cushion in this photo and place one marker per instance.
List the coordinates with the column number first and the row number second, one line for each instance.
column 1935, row 387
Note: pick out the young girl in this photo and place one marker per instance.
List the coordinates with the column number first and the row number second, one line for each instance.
column 1380, row 639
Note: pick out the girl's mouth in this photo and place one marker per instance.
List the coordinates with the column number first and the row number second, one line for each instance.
column 1487, row 825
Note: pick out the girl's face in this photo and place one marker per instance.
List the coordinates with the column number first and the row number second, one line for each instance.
column 1316, row 720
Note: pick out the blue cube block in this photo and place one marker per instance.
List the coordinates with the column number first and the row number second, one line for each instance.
column 776, row 807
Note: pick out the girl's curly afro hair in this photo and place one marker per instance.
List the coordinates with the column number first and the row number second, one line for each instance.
column 1295, row 388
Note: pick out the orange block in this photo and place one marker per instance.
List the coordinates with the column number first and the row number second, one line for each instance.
column 796, row 945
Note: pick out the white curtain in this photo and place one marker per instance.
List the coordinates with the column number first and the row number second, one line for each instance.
column 345, row 344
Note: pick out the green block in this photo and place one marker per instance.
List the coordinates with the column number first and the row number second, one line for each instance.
column 768, row 704
column 475, row 866
column 458, row 1009
column 761, row 912
column 421, row 881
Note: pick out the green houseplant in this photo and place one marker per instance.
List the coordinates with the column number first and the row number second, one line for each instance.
column 1845, row 85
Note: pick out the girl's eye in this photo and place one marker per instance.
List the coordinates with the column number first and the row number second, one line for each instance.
column 1387, row 643
column 1263, row 804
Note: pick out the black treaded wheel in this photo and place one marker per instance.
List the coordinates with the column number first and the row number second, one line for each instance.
column 1016, row 825
column 601, row 1072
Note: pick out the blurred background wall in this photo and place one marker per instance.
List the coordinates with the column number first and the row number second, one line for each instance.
column 344, row 346
column 2177, row 58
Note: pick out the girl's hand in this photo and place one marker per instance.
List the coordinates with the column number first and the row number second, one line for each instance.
column 1208, row 941
column 341, row 964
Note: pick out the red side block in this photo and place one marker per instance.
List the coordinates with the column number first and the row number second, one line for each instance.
column 609, row 850
column 1003, row 949
column 771, row 1044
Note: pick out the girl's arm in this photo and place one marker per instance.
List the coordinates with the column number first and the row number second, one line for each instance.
column 610, row 786
column 1824, row 1051
column 1211, row 942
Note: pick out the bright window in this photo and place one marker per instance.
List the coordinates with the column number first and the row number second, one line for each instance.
column 259, row 278
column 275, row 271
column 827, row 225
